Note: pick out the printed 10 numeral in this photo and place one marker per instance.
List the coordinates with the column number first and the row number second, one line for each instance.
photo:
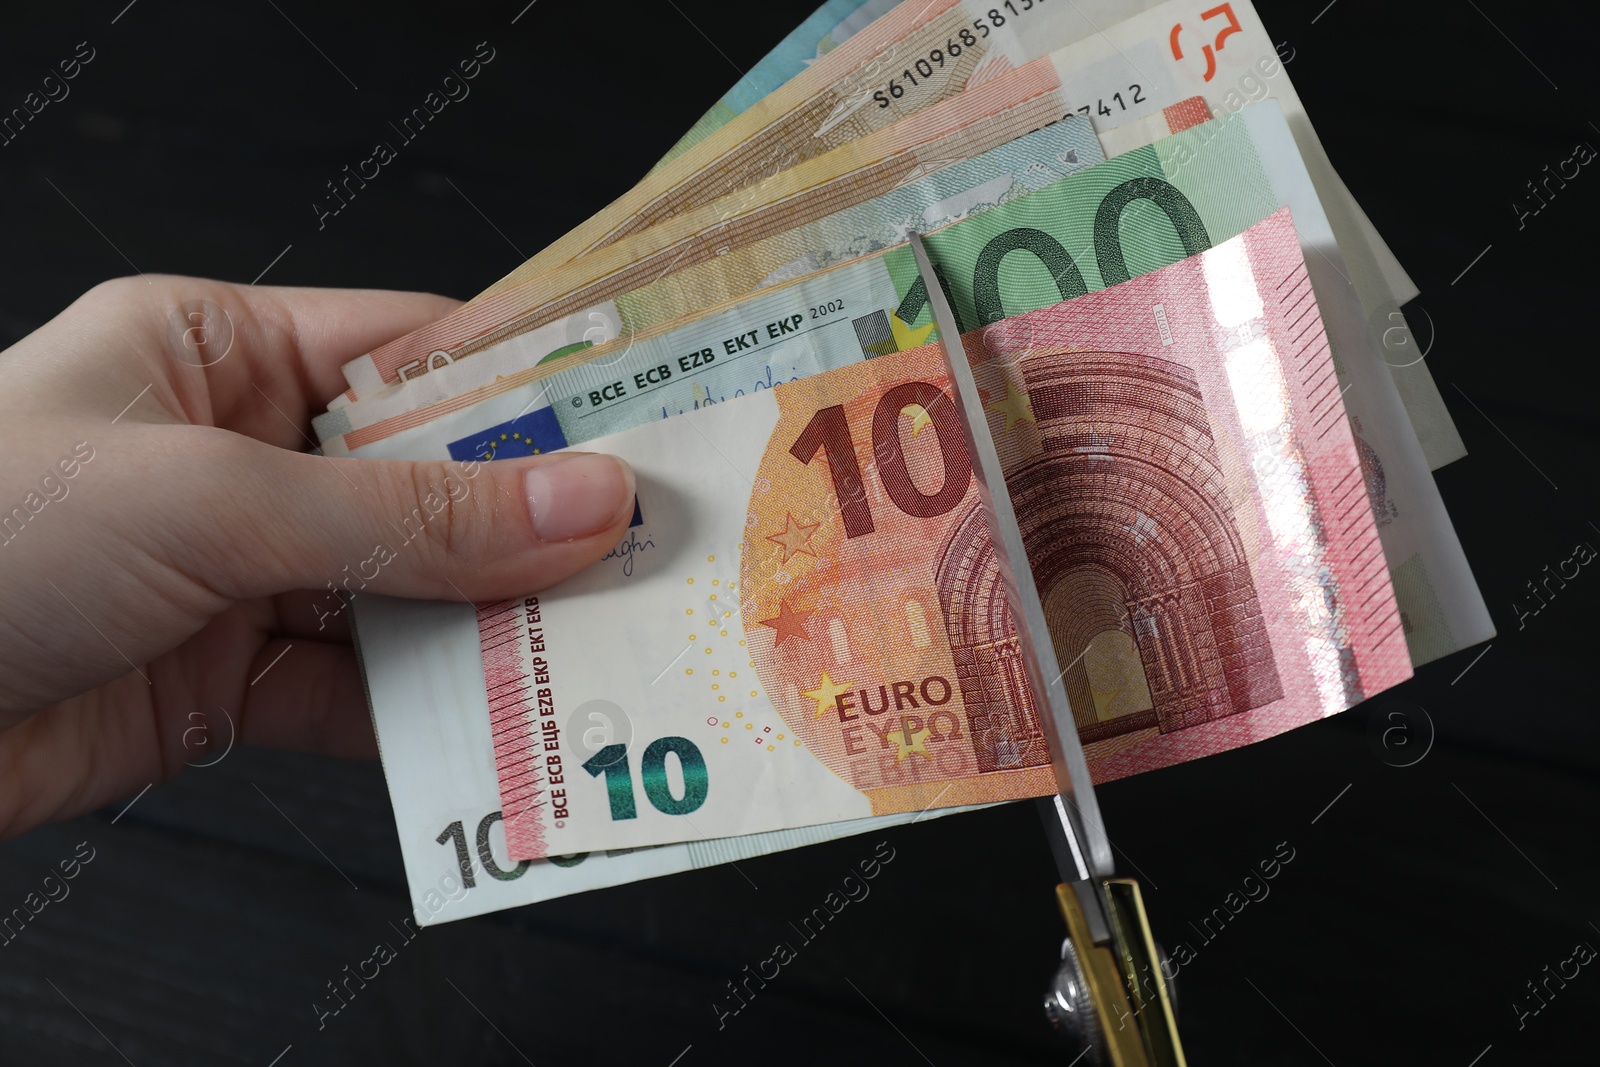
column 829, row 431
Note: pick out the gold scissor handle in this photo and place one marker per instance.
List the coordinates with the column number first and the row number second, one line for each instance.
column 1114, row 995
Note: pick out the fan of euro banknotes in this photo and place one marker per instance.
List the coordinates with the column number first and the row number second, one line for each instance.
column 1182, row 325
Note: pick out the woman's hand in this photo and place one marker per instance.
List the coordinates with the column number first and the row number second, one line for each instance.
column 170, row 556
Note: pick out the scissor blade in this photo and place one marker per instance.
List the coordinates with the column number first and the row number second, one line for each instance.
column 1089, row 851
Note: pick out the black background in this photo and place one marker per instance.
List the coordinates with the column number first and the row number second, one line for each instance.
column 1416, row 906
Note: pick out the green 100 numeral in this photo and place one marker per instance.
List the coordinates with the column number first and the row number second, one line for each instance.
column 612, row 762
column 1108, row 252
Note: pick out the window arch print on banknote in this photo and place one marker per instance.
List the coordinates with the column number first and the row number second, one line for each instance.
column 1149, row 590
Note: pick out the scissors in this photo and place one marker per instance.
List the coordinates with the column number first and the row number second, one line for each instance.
column 1110, row 997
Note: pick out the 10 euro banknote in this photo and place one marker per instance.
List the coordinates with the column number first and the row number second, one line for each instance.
column 809, row 626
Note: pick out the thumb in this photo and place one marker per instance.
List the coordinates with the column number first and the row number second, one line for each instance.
column 438, row 530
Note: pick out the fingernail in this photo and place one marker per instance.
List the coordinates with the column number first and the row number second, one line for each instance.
column 578, row 495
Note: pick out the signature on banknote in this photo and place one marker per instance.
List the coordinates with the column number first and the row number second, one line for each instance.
column 630, row 547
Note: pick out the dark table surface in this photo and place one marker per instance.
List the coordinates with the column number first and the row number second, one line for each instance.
column 1419, row 900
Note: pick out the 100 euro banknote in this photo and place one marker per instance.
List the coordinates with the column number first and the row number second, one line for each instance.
column 809, row 624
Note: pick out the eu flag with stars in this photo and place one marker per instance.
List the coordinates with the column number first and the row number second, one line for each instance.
column 532, row 434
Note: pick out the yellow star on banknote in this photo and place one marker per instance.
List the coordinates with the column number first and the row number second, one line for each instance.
column 1105, row 695
column 1016, row 407
column 908, row 336
column 794, row 536
column 826, row 692
column 918, row 744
